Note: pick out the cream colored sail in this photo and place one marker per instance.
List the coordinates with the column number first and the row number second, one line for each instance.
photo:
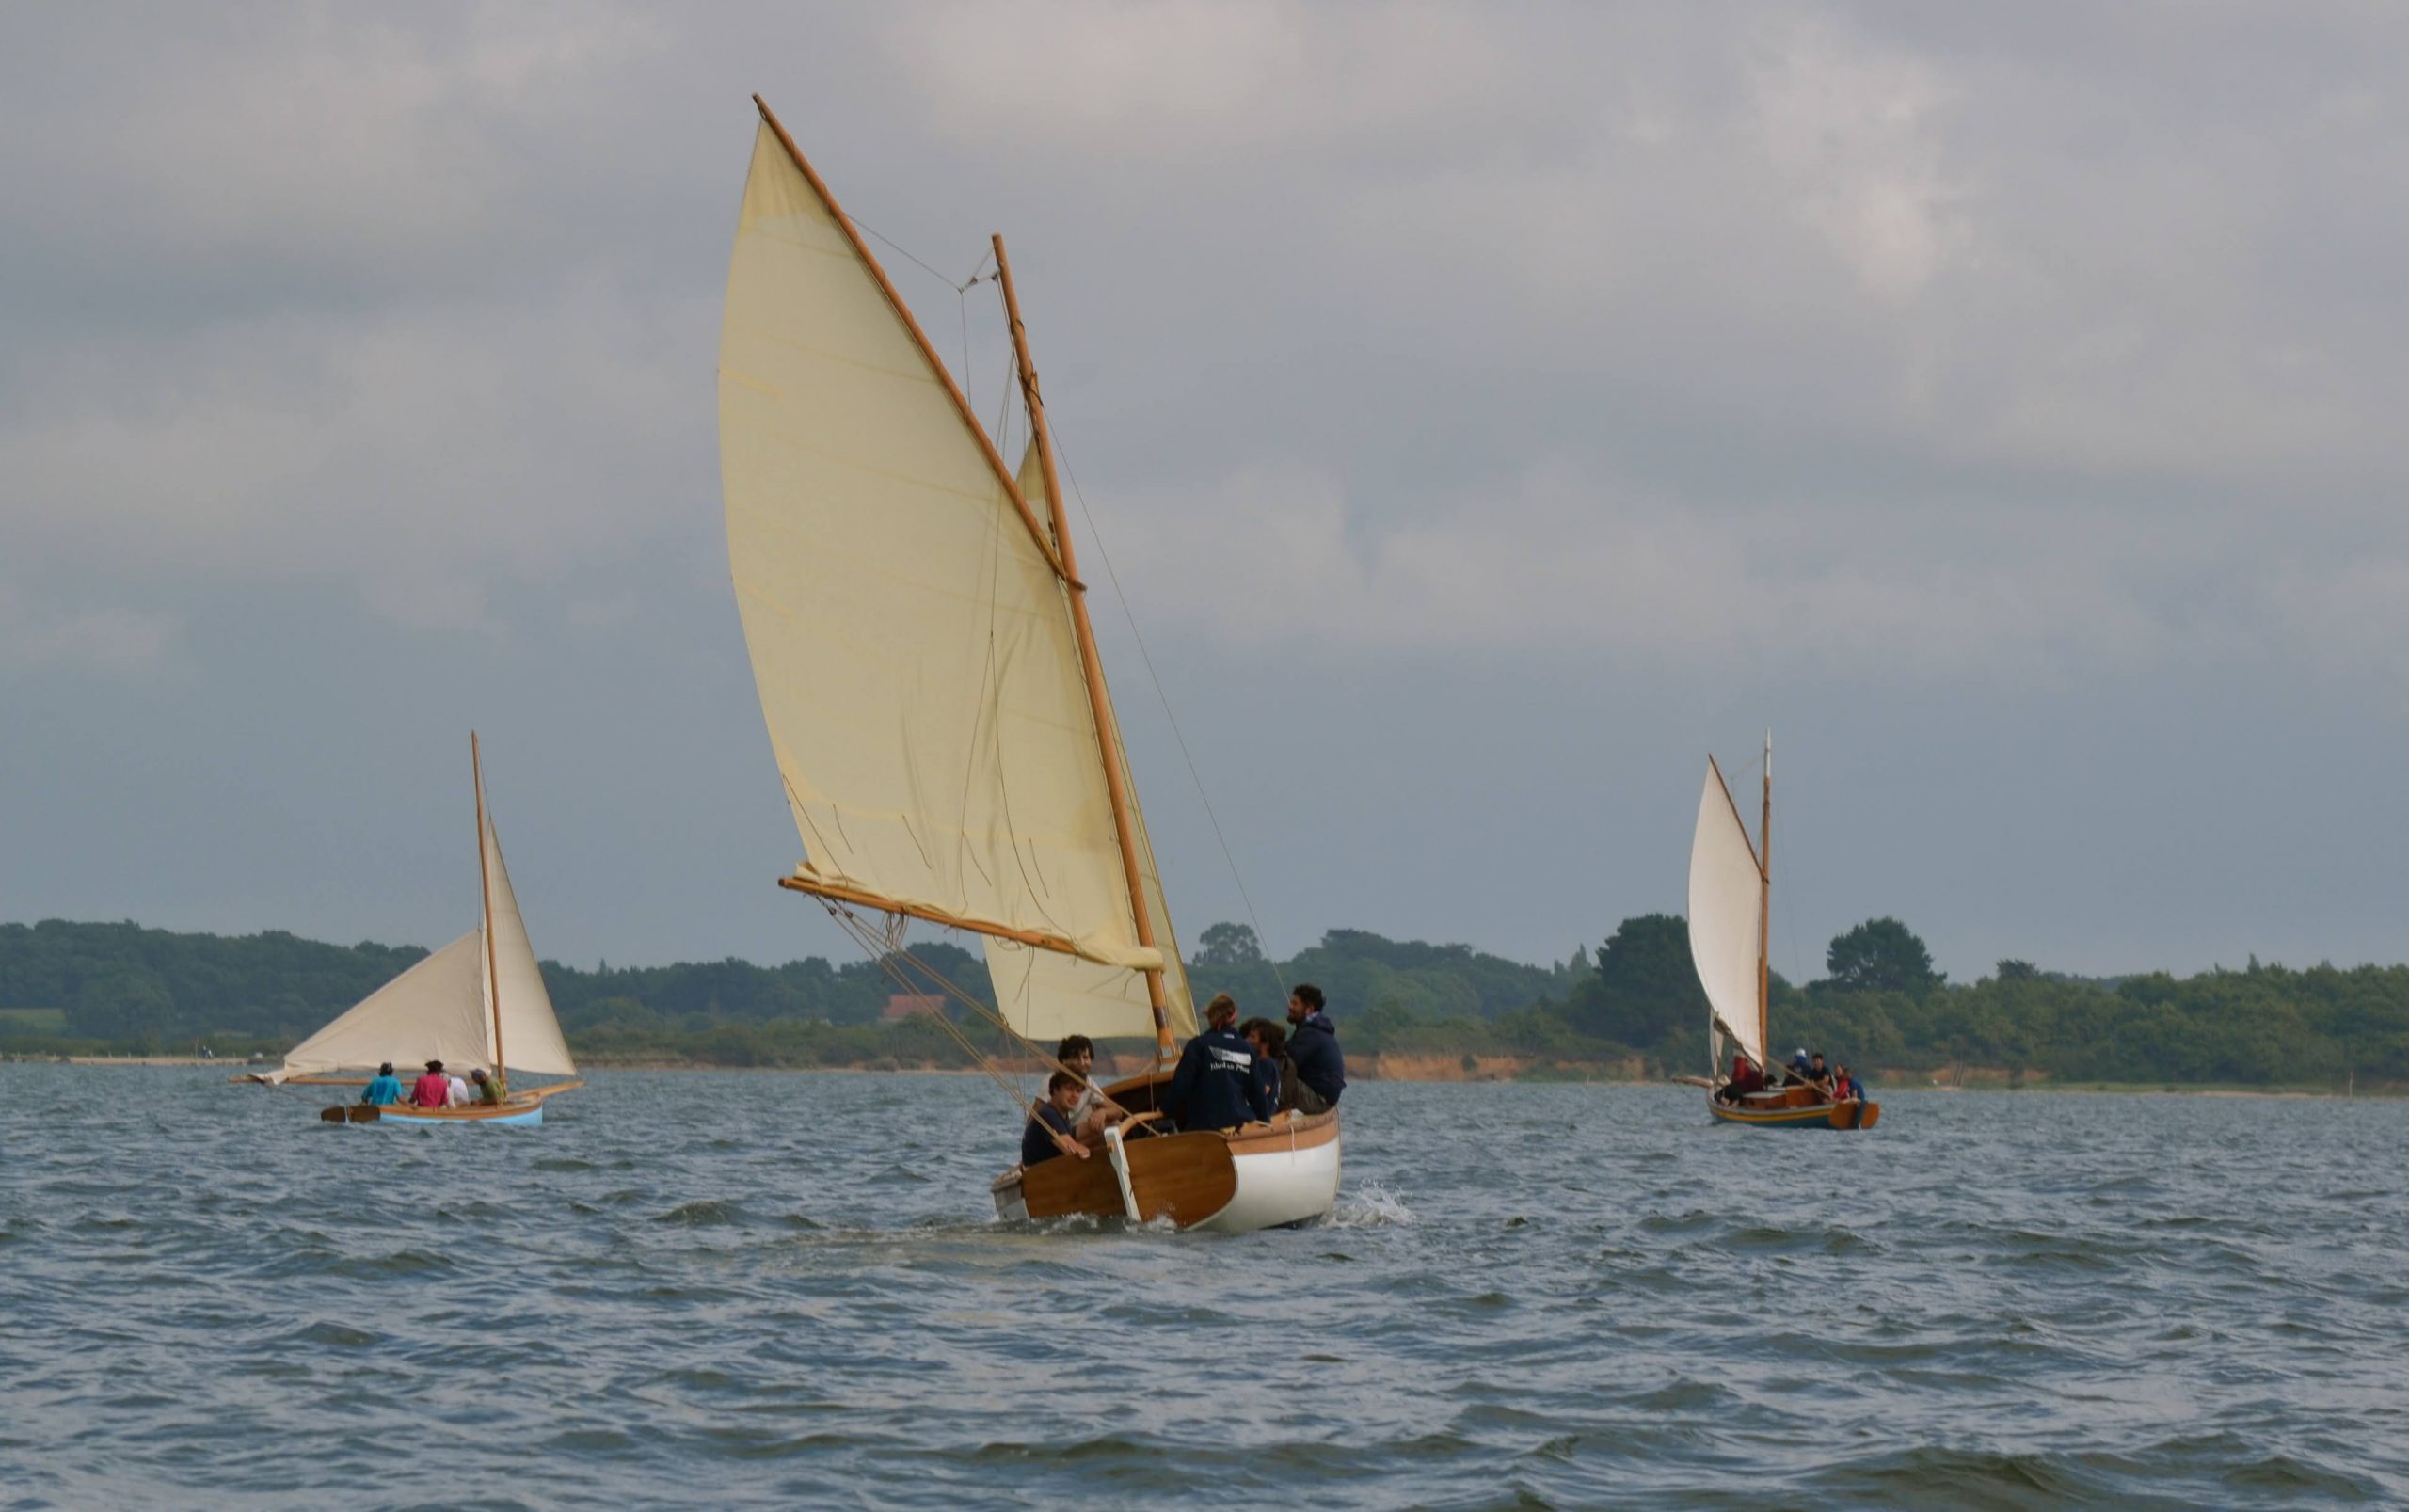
column 911, row 641
column 1726, row 894
column 1044, row 994
column 435, row 1011
column 531, row 1033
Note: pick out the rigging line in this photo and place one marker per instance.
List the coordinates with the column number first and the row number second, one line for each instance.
column 1164, row 699
column 860, row 224
column 892, row 956
column 887, row 955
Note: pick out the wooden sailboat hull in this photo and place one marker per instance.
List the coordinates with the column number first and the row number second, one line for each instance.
column 1262, row 1176
column 1780, row 1113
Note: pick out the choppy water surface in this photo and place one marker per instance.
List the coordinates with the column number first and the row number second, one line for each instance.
column 756, row 1288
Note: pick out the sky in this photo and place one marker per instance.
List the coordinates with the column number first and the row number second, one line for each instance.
column 1486, row 412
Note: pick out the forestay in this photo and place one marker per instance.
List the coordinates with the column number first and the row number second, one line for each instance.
column 1726, row 897
column 911, row 639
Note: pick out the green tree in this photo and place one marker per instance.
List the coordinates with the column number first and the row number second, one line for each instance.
column 1880, row 955
column 122, row 1002
column 1645, row 991
column 1228, row 948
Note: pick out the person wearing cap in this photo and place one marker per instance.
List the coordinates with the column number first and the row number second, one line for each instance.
column 1795, row 1076
column 385, row 1090
column 1216, row 1086
column 489, row 1089
column 433, row 1089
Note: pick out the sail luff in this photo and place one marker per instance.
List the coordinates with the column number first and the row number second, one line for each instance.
column 937, row 363
column 1107, row 734
column 484, row 903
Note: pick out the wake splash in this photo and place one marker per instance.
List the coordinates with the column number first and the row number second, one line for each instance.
column 1371, row 1205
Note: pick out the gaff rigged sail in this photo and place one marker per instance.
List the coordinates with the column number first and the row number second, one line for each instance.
column 911, row 635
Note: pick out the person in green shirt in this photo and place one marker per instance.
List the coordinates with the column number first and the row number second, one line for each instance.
column 489, row 1089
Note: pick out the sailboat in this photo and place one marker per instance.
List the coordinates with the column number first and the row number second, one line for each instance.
column 920, row 641
column 477, row 1003
column 1730, row 918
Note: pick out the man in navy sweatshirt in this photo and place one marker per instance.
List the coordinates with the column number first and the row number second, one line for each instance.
column 1313, row 1049
column 1216, row 1087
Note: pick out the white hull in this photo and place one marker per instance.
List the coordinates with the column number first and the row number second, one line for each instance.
column 1278, row 1188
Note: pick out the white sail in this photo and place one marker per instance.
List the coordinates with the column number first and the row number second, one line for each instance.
column 435, row 1011
column 530, row 1034
column 910, row 642
column 1726, row 897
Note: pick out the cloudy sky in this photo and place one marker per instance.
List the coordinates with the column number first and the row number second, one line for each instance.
column 1487, row 411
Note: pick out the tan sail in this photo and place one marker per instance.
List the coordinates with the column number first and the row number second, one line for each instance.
column 433, row 1011
column 1725, row 924
column 908, row 626
column 531, row 1032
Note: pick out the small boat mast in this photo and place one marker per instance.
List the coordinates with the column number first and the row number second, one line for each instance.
column 1764, row 906
column 1107, row 735
column 485, row 894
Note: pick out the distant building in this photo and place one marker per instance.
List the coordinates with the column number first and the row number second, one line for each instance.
column 913, row 1005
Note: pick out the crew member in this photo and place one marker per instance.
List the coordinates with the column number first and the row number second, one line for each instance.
column 385, row 1090
column 1047, row 1134
column 1216, row 1087
column 1313, row 1044
column 434, row 1089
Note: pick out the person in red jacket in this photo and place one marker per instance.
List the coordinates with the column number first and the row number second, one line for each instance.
column 1745, row 1078
column 434, row 1089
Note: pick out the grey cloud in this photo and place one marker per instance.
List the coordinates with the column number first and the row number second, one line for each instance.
column 1880, row 370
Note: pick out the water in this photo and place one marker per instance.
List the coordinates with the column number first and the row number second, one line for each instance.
column 755, row 1288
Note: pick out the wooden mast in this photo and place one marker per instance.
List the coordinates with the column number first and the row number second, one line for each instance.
column 1764, row 903
column 484, row 890
column 1099, row 703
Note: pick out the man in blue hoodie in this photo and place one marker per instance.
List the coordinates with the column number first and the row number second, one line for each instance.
column 1216, row 1086
column 1313, row 1048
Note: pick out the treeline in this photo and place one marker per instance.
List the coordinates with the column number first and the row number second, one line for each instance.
column 86, row 986
column 1882, row 1007
column 1635, row 1006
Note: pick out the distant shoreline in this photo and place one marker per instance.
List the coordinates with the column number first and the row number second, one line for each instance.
column 1419, row 1072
